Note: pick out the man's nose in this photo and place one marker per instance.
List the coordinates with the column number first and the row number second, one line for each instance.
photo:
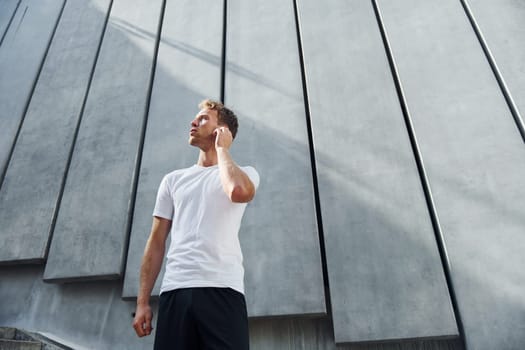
column 194, row 123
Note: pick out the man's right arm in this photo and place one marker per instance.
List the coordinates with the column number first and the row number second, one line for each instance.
column 149, row 270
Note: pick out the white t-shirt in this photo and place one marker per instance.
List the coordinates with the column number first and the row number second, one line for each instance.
column 204, row 249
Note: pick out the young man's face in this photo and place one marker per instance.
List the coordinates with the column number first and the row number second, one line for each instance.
column 203, row 127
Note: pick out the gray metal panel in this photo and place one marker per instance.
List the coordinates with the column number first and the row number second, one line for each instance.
column 21, row 55
column 503, row 27
column 188, row 70
column 279, row 233
column 475, row 161
column 34, row 178
column 90, row 236
column 385, row 274
column 7, row 12
column 317, row 334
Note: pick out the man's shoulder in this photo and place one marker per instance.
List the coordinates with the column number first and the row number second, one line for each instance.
column 177, row 172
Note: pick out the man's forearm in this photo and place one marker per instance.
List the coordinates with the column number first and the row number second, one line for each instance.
column 235, row 182
column 149, row 270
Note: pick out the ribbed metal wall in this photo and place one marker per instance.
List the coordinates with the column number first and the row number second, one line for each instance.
column 387, row 134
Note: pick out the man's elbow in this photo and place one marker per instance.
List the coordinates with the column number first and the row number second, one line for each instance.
column 242, row 195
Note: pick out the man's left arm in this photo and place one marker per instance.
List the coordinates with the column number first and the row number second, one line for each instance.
column 235, row 182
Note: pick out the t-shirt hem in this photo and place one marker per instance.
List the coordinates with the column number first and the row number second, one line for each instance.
column 163, row 215
column 200, row 284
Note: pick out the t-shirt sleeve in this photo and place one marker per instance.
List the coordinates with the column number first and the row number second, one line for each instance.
column 164, row 203
column 252, row 174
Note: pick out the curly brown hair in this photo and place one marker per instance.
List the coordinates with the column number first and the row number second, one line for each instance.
column 224, row 114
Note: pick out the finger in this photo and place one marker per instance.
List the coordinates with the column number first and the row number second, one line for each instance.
column 147, row 326
column 148, row 323
column 143, row 330
column 138, row 329
column 141, row 327
column 140, row 332
column 148, row 330
column 227, row 131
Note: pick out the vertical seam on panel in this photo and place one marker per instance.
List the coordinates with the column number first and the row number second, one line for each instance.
column 75, row 134
column 223, row 53
column 21, row 20
column 136, row 174
column 30, row 96
column 312, row 159
column 421, row 169
column 9, row 23
column 499, row 77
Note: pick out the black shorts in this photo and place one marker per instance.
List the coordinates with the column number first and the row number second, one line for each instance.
column 202, row 318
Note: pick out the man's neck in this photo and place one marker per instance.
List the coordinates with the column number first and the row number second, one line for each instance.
column 207, row 158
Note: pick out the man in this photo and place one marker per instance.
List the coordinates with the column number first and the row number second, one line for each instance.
column 202, row 303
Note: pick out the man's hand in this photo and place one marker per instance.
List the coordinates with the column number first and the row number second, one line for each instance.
column 223, row 137
column 235, row 182
column 142, row 320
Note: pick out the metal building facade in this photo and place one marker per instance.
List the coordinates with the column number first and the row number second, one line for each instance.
column 387, row 134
